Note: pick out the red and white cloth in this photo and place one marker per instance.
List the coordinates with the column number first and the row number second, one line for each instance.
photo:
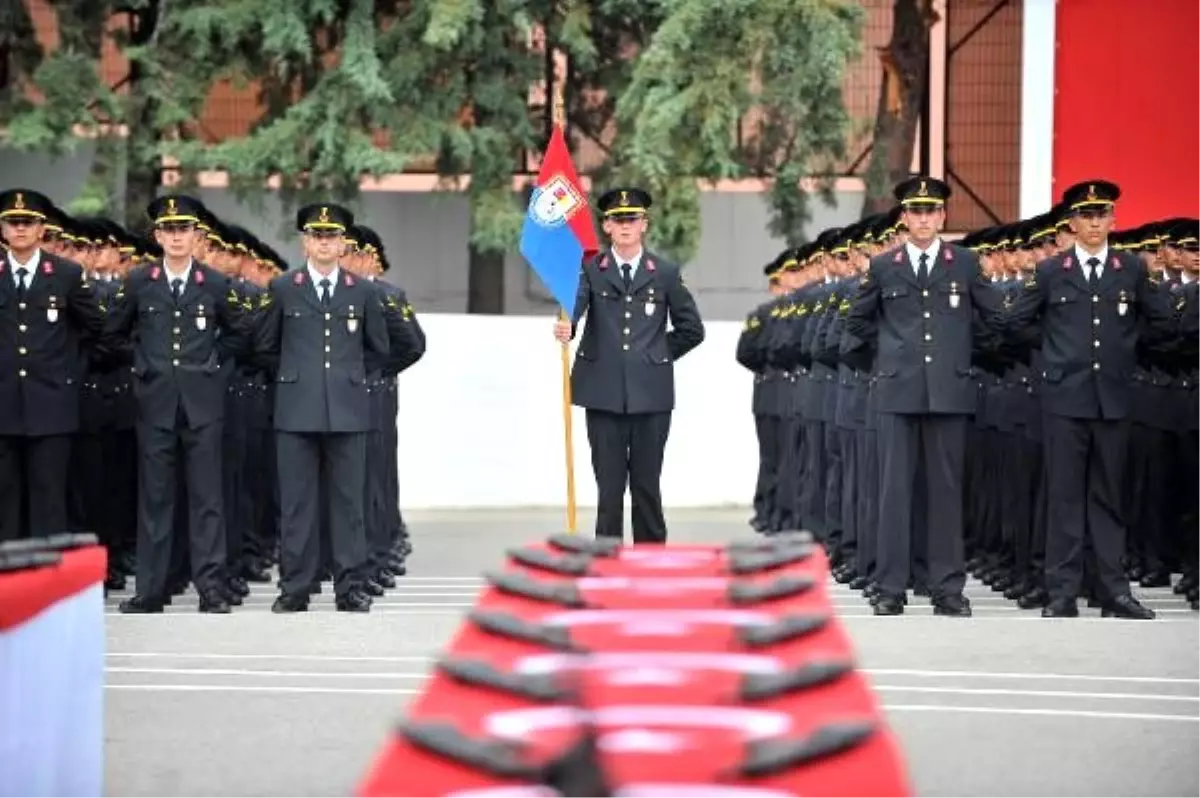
column 52, row 677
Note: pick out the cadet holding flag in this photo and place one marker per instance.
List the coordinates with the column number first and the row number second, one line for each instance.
column 320, row 321
column 624, row 366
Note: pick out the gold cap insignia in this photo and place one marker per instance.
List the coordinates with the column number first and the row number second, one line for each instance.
column 172, row 209
column 624, row 197
column 19, row 202
column 324, row 214
column 1091, row 192
column 923, row 190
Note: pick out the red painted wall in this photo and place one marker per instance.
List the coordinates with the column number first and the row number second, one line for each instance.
column 1126, row 105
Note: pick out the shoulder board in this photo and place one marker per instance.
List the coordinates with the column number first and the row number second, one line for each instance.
column 1030, row 283
column 391, row 301
column 788, row 311
column 844, row 308
column 802, row 309
column 774, row 313
column 264, row 299
column 817, row 308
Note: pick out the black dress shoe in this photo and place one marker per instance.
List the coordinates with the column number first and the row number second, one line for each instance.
column 354, row 601
column 1002, row 582
column 1155, row 579
column 140, row 605
column 1017, row 589
column 238, row 586
column 286, row 603
column 1033, row 599
column 1061, row 608
column 872, row 589
column 115, row 581
column 1126, row 607
column 889, row 605
column 859, row 582
column 1185, row 584
column 215, row 603
column 758, row 525
column 372, row 588
column 921, row 590
column 255, row 572
column 974, row 563
column 1193, row 595
column 1135, row 572
column 399, row 570
column 952, row 606
column 386, row 579
column 844, row 576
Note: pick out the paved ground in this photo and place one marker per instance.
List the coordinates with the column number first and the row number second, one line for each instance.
column 1004, row 703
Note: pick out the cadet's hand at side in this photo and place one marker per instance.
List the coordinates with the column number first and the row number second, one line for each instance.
column 562, row 331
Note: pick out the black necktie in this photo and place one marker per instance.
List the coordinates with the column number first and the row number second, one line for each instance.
column 923, row 269
column 626, row 274
column 325, row 293
column 176, row 288
column 1093, row 271
column 22, row 273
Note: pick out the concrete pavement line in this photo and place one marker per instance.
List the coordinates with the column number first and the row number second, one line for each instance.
column 278, row 674
column 264, row 688
column 903, row 688
column 1065, row 713
column 298, row 657
column 1037, row 618
column 1034, row 675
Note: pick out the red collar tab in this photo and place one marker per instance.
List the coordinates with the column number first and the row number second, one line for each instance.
column 650, row 264
column 155, row 272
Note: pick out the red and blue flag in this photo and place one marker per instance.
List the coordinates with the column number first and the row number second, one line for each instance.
column 558, row 233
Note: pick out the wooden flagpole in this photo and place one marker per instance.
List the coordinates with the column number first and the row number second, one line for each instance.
column 559, row 110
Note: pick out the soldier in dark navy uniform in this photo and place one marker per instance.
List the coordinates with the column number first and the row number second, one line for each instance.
column 47, row 307
column 320, row 322
column 918, row 304
column 185, row 321
column 1091, row 304
column 624, row 366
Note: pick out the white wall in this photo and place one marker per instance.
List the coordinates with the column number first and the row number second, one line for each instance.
column 481, row 420
column 1038, row 45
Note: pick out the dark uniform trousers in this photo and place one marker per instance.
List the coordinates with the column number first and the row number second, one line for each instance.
column 322, row 415
column 624, row 377
column 926, row 390
column 180, row 383
column 41, row 331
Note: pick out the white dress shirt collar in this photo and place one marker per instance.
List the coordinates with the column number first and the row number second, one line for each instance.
column 30, row 266
column 1083, row 255
column 915, row 252
column 633, row 262
column 317, row 277
column 181, row 276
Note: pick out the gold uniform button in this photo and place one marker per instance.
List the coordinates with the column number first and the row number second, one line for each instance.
column 1096, row 344
column 628, row 299
column 625, row 347
column 20, row 306
column 1095, row 367
column 178, row 314
column 928, row 337
column 176, row 331
column 21, row 373
column 175, row 346
column 21, row 328
column 929, row 358
column 626, row 331
column 925, row 292
column 327, row 332
column 628, row 315
column 327, row 364
column 1095, row 299
column 175, row 362
column 328, row 316
column 327, row 348
column 22, row 351
column 1096, row 322
column 925, row 314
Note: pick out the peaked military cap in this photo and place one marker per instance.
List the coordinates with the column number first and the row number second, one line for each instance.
column 624, row 203
column 1091, row 194
column 323, row 216
column 175, row 208
column 922, row 190
column 21, row 203
column 1185, row 233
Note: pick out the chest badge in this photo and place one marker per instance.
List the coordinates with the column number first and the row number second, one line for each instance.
column 650, row 304
column 201, row 319
column 52, row 311
column 351, row 322
column 1122, row 304
column 954, row 296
